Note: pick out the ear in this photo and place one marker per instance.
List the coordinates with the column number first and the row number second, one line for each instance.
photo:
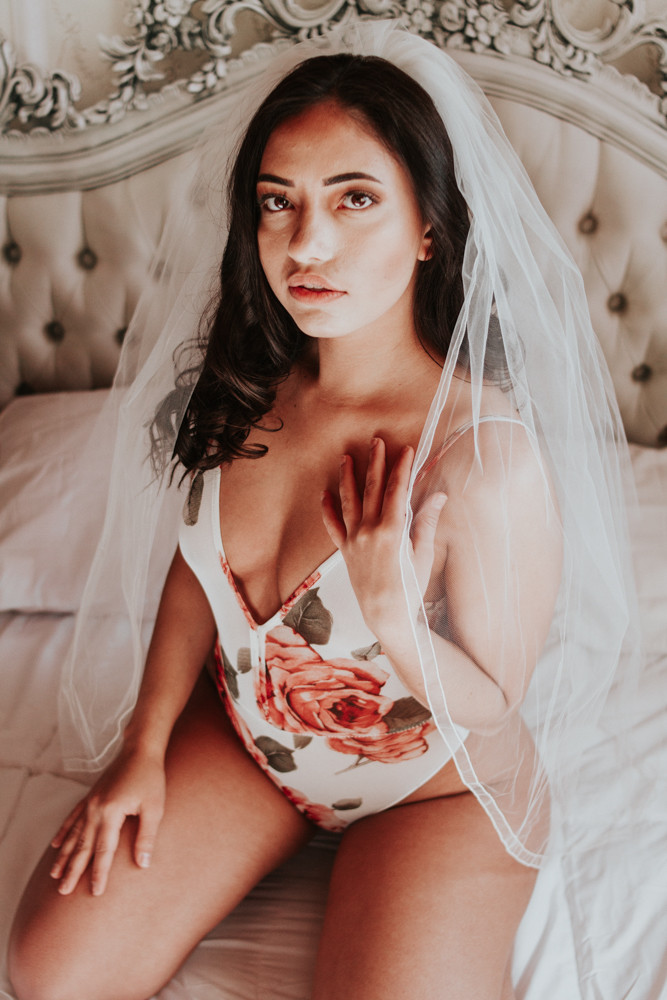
column 426, row 248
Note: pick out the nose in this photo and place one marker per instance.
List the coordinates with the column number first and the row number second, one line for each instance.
column 312, row 237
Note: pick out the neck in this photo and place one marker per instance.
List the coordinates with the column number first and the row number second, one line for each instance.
column 357, row 370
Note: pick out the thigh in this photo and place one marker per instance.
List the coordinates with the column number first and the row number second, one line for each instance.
column 424, row 902
column 225, row 826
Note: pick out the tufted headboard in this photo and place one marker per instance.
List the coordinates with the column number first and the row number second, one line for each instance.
column 85, row 191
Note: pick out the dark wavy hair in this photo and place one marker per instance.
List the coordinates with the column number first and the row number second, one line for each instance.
column 250, row 341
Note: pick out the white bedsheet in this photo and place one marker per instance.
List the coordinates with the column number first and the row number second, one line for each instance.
column 266, row 948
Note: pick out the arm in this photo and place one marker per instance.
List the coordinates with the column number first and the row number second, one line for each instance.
column 134, row 784
column 494, row 550
column 182, row 639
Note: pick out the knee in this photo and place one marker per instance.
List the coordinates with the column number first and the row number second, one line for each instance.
column 45, row 966
column 52, row 966
column 29, row 973
column 35, row 971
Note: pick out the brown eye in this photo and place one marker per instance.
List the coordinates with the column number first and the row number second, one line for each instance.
column 274, row 202
column 358, row 199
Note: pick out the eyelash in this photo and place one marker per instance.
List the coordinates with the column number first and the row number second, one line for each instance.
column 266, row 198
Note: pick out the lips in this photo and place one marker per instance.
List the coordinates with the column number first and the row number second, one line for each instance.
column 311, row 282
column 312, row 289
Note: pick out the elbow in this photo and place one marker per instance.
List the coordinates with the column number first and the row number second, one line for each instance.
column 498, row 709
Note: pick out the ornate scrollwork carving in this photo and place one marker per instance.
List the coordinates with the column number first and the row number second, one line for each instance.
column 30, row 99
column 473, row 25
column 538, row 29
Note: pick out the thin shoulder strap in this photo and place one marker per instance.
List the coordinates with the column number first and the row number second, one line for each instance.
column 459, row 432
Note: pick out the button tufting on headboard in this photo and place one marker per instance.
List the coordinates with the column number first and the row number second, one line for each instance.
column 12, row 253
column 611, row 210
column 588, row 224
column 617, row 303
column 55, row 331
column 87, row 259
column 608, row 206
column 641, row 373
column 119, row 335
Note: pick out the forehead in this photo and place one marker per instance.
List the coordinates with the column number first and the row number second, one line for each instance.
column 330, row 133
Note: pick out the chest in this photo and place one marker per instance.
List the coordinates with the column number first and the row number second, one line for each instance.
column 270, row 508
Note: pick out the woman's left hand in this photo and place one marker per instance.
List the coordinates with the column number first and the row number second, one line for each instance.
column 369, row 529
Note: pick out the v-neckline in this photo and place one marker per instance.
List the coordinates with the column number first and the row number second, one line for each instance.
column 320, row 570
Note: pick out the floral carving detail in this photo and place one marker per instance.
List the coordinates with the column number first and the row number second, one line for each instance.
column 473, row 25
column 161, row 28
column 46, row 102
column 417, row 17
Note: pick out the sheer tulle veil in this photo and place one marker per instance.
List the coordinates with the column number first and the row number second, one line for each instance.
column 524, row 301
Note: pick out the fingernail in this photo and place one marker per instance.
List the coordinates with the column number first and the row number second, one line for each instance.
column 144, row 860
column 96, row 889
column 343, row 461
column 55, row 871
column 374, row 442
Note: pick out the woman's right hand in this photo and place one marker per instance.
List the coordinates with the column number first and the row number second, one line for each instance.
column 134, row 785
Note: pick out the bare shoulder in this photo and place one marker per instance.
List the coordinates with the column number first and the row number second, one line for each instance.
column 499, row 489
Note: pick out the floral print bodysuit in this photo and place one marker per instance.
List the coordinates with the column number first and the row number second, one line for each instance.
column 309, row 692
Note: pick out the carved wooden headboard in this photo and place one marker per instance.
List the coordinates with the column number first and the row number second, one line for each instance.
column 85, row 189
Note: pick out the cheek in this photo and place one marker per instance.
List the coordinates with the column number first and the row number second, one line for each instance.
column 268, row 256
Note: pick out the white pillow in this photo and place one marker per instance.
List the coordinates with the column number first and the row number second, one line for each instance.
column 53, row 493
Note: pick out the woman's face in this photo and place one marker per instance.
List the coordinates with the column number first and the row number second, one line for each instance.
column 340, row 231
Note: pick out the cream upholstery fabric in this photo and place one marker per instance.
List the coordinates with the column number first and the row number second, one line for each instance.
column 612, row 212
column 73, row 264
column 72, row 267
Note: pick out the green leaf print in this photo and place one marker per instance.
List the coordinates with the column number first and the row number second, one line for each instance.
column 243, row 661
column 231, row 677
column 367, row 652
column 406, row 713
column 301, row 741
column 193, row 502
column 343, row 804
column 310, row 619
column 278, row 757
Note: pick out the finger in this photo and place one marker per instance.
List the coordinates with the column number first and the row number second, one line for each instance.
column 376, row 474
column 67, row 824
column 332, row 521
column 105, row 851
column 68, row 847
column 78, row 861
column 149, row 822
column 350, row 502
column 396, row 491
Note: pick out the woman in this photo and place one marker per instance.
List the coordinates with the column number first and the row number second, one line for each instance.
column 376, row 537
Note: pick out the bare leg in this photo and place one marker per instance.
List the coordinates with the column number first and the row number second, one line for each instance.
column 424, row 902
column 225, row 826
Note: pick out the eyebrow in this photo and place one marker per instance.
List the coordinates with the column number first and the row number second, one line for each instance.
column 327, row 182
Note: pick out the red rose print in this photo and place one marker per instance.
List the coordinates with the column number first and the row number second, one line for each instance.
column 246, row 737
column 387, row 749
column 323, row 816
column 300, row 692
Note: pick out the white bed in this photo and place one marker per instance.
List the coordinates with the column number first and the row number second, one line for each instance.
column 83, row 215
